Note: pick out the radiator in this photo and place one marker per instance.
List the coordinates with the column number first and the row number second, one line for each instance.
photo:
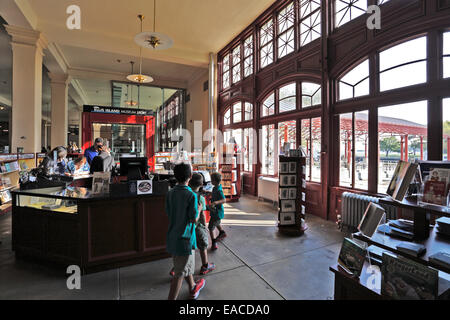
column 354, row 205
column 268, row 189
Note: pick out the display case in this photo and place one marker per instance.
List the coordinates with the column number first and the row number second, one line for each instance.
column 72, row 226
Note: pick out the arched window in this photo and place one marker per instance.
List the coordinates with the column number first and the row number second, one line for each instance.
column 311, row 94
column 287, row 98
column 446, row 57
column 268, row 106
column 286, row 38
column 355, row 83
column 404, row 65
column 266, row 36
column 227, row 117
column 236, row 61
column 347, row 10
column 310, row 21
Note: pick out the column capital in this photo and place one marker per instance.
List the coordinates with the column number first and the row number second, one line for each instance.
column 59, row 78
column 24, row 36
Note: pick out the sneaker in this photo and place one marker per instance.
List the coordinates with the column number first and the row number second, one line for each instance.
column 221, row 235
column 214, row 245
column 207, row 269
column 172, row 273
column 198, row 287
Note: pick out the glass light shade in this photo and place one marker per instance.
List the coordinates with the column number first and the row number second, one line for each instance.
column 140, row 78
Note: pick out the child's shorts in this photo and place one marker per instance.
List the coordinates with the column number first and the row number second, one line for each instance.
column 183, row 266
column 202, row 237
column 214, row 223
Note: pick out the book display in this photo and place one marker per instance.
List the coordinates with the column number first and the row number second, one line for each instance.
column 231, row 173
column 401, row 179
column 292, row 194
column 351, row 257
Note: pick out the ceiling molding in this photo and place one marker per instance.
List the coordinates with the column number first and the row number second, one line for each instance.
column 79, row 95
column 55, row 61
column 14, row 15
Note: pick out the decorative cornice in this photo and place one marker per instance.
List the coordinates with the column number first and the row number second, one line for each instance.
column 24, row 36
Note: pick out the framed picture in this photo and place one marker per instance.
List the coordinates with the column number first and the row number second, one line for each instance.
column 288, row 206
column 292, row 193
column 292, row 167
column 284, row 167
column 284, row 180
column 284, row 193
column 287, row 218
column 292, row 181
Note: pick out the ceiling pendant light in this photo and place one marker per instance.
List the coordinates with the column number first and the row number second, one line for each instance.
column 153, row 40
column 130, row 102
column 140, row 78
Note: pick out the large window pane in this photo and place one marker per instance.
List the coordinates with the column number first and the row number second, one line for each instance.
column 347, row 10
column 226, row 71
column 404, row 65
column 311, row 94
column 310, row 28
column 248, row 112
column 446, row 55
column 286, row 38
column 268, row 106
column 227, row 117
column 316, row 143
column 268, row 150
column 345, row 158
column 355, row 83
column 287, row 133
column 266, row 35
column 402, row 135
column 248, row 56
column 361, row 150
column 306, row 144
column 287, row 98
column 446, row 128
column 248, row 149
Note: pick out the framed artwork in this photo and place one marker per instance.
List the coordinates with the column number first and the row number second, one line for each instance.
column 284, row 180
column 284, row 193
column 292, row 193
column 287, row 218
column 288, row 206
column 284, row 167
column 292, row 167
column 292, row 181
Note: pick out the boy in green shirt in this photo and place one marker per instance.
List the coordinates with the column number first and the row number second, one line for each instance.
column 183, row 210
column 216, row 209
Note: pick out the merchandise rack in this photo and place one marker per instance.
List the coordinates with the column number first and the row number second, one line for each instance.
column 231, row 173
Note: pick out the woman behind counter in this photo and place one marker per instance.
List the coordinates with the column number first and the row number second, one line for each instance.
column 55, row 161
column 79, row 166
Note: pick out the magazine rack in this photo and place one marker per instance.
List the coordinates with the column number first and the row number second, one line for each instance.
column 292, row 195
column 231, row 173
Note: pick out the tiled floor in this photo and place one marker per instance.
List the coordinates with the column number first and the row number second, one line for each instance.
column 254, row 262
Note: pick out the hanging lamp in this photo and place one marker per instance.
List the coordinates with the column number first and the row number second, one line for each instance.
column 153, row 40
column 140, row 78
column 130, row 102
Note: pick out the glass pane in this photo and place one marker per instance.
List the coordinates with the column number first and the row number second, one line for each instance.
column 447, row 52
column 268, row 106
column 248, row 66
column 402, row 135
column 268, row 152
column 286, row 43
column 362, row 150
column 409, row 51
column 311, row 94
column 266, row 55
column 447, row 43
column 446, row 67
column 287, row 98
column 446, row 128
column 287, row 133
column 248, row 46
column 226, row 63
column 404, row 76
column 347, row 10
column 266, row 32
column 226, row 80
column 306, row 144
column 308, row 6
column 286, row 18
column 237, row 112
column 316, row 147
column 248, row 111
column 248, row 149
column 236, row 138
column 236, row 55
column 355, row 83
column 310, row 19
column 345, row 159
column 236, row 73
column 227, row 117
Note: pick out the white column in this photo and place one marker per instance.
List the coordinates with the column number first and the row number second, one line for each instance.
column 27, row 46
column 60, row 112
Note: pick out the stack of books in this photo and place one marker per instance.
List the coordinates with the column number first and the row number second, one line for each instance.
column 443, row 226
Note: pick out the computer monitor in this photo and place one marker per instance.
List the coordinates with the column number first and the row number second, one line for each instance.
column 133, row 168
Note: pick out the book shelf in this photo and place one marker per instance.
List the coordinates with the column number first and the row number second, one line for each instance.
column 292, row 195
column 231, row 173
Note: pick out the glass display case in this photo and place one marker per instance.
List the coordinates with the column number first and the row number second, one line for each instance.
column 123, row 139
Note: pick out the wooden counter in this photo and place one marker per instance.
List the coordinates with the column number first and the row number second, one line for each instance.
column 106, row 232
